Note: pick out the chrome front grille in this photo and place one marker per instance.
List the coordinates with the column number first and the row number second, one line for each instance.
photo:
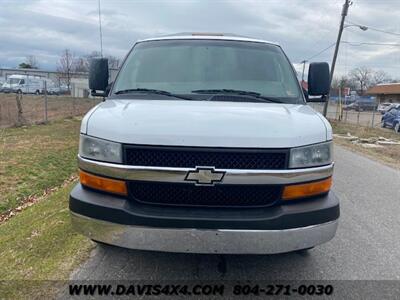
column 219, row 158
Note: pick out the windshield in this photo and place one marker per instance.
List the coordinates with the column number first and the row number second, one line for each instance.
column 189, row 66
column 13, row 80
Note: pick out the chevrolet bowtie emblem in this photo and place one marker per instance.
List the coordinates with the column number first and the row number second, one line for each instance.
column 205, row 176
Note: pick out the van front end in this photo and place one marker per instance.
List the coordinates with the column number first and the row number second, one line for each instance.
column 174, row 208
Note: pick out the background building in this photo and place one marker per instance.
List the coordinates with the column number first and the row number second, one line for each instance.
column 386, row 92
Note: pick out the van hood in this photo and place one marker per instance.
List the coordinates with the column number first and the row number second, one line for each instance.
column 206, row 124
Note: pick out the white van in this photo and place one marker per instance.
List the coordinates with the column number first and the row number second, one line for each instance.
column 24, row 84
column 2, row 80
column 206, row 144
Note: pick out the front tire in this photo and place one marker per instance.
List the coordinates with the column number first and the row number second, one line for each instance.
column 383, row 124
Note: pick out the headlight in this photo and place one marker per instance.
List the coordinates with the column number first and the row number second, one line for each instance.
column 98, row 149
column 311, row 156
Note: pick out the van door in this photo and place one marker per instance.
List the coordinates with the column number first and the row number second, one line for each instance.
column 30, row 86
column 33, row 86
column 22, row 86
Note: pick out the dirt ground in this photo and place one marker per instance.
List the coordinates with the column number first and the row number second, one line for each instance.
column 34, row 108
column 389, row 154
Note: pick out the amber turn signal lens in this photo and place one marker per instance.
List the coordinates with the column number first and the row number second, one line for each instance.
column 103, row 184
column 306, row 189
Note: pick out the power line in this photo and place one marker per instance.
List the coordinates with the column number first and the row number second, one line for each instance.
column 370, row 43
column 355, row 44
column 376, row 29
column 359, row 43
column 322, row 51
column 311, row 57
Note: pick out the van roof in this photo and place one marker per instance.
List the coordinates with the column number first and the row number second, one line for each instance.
column 208, row 36
column 21, row 76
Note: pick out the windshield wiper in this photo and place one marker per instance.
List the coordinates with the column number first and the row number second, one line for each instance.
column 238, row 92
column 151, row 91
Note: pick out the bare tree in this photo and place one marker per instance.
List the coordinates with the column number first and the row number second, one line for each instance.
column 65, row 67
column 347, row 82
column 81, row 65
column 32, row 61
column 94, row 54
column 113, row 62
column 363, row 77
column 29, row 63
column 381, row 77
column 335, row 82
column 342, row 83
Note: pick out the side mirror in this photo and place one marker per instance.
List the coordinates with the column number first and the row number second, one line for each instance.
column 318, row 80
column 98, row 76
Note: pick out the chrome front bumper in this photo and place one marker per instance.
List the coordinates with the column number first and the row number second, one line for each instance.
column 231, row 176
column 226, row 241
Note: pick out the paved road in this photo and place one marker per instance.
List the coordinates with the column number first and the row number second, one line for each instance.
column 367, row 245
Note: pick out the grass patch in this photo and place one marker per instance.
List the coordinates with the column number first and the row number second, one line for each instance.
column 36, row 158
column 389, row 155
column 40, row 244
column 363, row 132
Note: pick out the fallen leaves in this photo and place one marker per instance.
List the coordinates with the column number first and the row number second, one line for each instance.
column 32, row 199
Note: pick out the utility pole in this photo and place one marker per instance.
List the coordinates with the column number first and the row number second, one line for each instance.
column 101, row 32
column 345, row 9
column 45, row 101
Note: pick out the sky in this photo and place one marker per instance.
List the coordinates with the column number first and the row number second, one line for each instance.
column 44, row 28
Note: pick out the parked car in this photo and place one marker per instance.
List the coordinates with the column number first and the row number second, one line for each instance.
column 361, row 105
column 184, row 156
column 349, row 106
column 383, row 107
column 59, row 90
column 386, row 107
column 391, row 119
column 64, row 90
column 54, row 90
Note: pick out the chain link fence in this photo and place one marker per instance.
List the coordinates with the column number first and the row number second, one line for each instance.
column 19, row 109
column 338, row 113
